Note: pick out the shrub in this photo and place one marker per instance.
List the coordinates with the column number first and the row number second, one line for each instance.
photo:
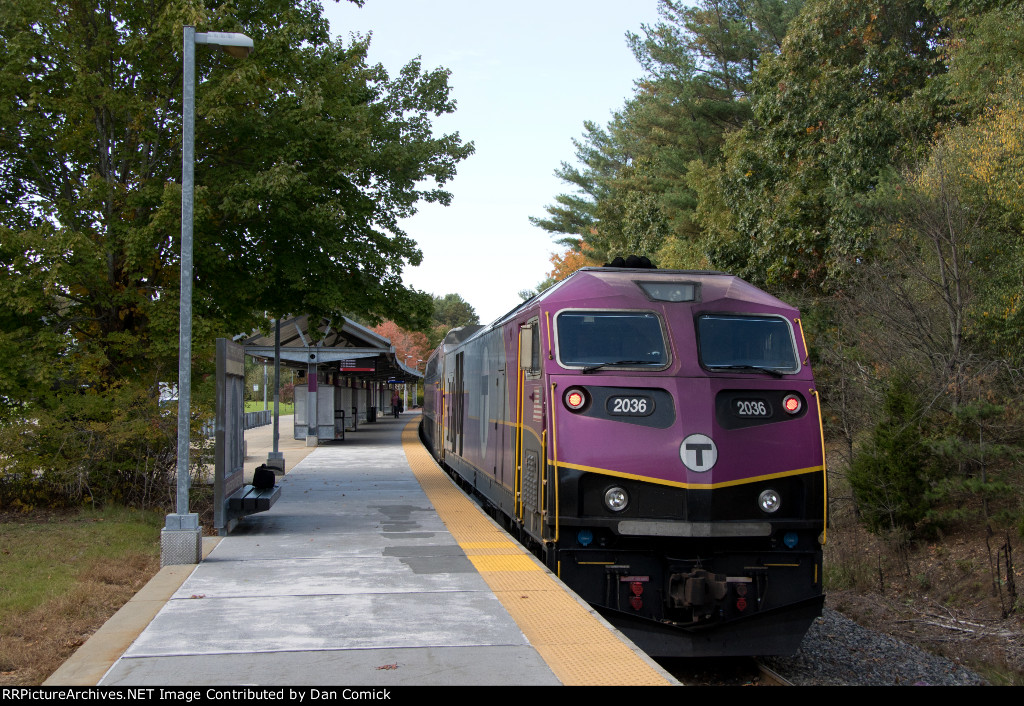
column 889, row 475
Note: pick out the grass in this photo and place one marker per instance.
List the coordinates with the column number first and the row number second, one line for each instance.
column 285, row 408
column 61, row 576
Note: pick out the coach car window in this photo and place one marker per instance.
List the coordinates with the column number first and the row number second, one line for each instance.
column 594, row 339
column 733, row 342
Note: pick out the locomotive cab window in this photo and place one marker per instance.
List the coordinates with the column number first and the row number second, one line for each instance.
column 598, row 339
column 755, row 343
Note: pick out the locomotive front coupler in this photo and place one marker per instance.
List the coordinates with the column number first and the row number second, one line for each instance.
column 697, row 589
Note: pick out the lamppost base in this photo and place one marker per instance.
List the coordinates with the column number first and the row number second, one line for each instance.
column 181, row 540
column 275, row 459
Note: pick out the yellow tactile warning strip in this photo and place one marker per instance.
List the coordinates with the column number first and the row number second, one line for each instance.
column 578, row 646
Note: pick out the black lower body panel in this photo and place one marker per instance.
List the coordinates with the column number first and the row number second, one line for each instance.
column 773, row 632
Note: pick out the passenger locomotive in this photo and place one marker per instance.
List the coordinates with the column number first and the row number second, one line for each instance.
column 655, row 437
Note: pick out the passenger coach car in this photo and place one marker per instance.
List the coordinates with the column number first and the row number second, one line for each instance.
column 655, row 437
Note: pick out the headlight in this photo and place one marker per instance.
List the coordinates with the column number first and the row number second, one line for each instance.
column 616, row 499
column 769, row 501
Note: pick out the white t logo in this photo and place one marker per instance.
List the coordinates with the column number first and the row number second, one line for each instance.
column 698, row 453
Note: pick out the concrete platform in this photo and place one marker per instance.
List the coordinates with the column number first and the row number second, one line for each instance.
column 353, row 578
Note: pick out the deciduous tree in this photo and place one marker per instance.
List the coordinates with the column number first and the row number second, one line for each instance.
column 413, row 345
column 450, row 311
column 843, row 101
column 307, row 157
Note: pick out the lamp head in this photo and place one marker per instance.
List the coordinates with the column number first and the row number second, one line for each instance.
column 234, row 43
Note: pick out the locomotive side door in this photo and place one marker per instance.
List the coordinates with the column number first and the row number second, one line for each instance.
column 530, row 430
column 456, row 405
column 497, row 419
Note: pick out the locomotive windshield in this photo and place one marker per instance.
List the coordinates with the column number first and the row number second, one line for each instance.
column 593, row 339
column 747, row 343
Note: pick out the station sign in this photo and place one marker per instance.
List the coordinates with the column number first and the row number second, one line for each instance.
column 355, row 366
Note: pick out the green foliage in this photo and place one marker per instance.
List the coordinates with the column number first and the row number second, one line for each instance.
column 633, row 193
column 699, row 62
column 254, row 383
column 576, row 214
column 972, row 450
column 988, row 157
column 839, row 105
column 91, row 447
column 42, row 559
column 286, row 408
column 844, row 569
column 889, row 476
column 307, row 158
column 959, row 500
column 984, row 51
column 450, row 311
column 925, row 305
column 864, row 160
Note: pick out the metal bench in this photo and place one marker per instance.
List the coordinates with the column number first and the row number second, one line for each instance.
column 249, row 499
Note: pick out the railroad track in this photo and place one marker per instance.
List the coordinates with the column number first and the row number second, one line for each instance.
column 723, row 671
column 770, row 677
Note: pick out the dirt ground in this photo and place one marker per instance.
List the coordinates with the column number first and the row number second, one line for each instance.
column 36, row 643
column 952, row 597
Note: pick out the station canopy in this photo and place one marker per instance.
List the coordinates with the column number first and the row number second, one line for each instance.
column 343, row 347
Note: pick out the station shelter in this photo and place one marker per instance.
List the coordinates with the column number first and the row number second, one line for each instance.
column 346, row 374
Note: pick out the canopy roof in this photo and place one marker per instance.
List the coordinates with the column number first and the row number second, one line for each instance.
column 344, row 347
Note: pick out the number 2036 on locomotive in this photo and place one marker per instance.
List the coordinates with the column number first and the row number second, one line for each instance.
column 654, row 436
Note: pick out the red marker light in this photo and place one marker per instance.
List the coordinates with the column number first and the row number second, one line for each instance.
column 575, row 400
column 792, row 404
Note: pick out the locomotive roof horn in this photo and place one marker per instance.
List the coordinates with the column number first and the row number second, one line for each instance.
column 632, row 262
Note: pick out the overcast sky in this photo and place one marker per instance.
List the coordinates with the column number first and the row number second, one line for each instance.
column 526, row 76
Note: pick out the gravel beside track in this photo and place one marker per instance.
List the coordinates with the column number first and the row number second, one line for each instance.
column 838, row 652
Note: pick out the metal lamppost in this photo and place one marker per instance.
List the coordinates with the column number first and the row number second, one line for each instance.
column 405, row 387
column 181, row 538
column 416, row 384
column 275, row 458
